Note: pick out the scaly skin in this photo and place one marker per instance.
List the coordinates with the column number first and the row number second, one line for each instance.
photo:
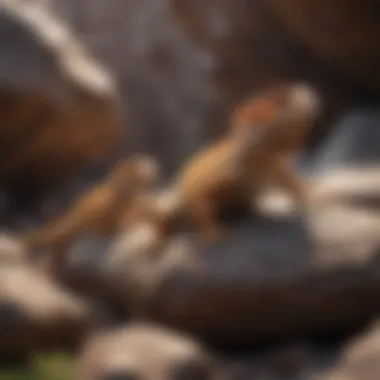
column 264, row 131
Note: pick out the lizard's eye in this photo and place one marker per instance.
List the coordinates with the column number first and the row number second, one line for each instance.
column 263, row 111
column 281, row 97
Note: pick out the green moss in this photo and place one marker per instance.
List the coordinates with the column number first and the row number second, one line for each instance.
column 42, row 367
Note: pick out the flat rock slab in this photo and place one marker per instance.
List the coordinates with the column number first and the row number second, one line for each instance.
column 268, row 277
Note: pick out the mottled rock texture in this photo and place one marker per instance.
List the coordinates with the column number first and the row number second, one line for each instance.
column 59, row 108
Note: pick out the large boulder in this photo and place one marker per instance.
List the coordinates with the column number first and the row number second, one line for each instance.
column 145, row 352
column 339, row 36
column 59, row 108
column 277, row 277
column 330, row 44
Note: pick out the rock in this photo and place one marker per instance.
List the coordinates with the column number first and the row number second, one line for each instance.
column 162, row 75
column 338, row 36
column 290, row 360
column 344, row 213
column 273, row 277
column 178, row 88
column 12, row 250
column 59, row 108
column 354, row 141
column 256, row 42
column 36, row 314
column 282, row 274
column 287, row 360
column 97, row 268
column 122, row 271
column 270, row 277
column 145, row 352
column 87, row 272
column 359, row 359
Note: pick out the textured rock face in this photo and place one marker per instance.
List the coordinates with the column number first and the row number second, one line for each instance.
column 344, row 36
column 179, row 88
column 330, row 44
column 170, row 104
column 144, row 352
column 59, row 108
column 287, row 38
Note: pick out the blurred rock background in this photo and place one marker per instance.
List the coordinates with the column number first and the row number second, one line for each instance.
column 175, row 69
column 189, row 62
column 164, row 77
column 182, row 65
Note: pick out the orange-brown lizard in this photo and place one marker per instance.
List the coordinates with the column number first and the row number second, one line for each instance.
column 231, row 172
column 98, row 210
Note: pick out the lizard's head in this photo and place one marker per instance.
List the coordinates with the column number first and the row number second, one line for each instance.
column 139, row 171
column 282, row 113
